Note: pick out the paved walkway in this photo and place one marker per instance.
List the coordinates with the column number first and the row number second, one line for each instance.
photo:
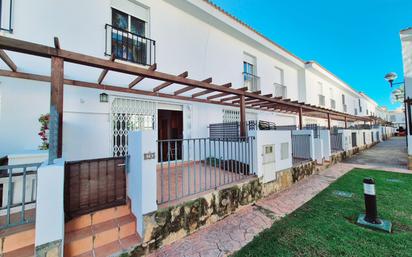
column 235, row 231
column 391, row 153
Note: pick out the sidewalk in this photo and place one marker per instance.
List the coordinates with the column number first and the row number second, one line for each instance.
column 235, row 231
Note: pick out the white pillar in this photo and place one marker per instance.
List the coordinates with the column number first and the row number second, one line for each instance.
column 325, row 136
column 141, row 179
column 50, row 209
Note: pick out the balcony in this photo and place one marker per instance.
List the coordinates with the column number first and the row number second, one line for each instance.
column 280, row 90
column 332, row 104
column 321, row 100
column 252, row 82
column 128, row 46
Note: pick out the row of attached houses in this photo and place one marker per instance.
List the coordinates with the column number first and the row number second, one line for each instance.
column 140, row 106
column 194, row 36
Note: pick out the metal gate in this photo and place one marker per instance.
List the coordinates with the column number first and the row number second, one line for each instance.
column 354, row 140
column 92, row 185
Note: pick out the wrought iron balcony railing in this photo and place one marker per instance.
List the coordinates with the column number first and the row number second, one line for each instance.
column 345, row 108
column 332, row 104
column 128, row 46
column 280, row 90
column 251, row 81
column 321, row 100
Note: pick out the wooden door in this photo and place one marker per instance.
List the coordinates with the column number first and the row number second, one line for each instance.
column 170, row 127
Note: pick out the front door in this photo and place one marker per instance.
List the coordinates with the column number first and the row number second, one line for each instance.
column 170, row 126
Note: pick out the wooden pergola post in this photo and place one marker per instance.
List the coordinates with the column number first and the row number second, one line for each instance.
column 329, row 121
column 300, row 118
column 346, row 122
column 56, row 108
column 242, row 116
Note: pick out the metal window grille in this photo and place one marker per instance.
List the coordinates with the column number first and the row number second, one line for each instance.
column 231, row 116
column 128, row 115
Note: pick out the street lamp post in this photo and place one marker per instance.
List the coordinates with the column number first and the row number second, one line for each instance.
column 391, row 77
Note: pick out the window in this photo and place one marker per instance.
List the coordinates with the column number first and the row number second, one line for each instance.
column 344, row 106
column 332, row 104
column 284, row 151
column 360, row 106
column 280, row 88
column 128, row 39
column 251, row 81
column 356, row 111
column 321, row 96
column 6, row 15
column 367, row 112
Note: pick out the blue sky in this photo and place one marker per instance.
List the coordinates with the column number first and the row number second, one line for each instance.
column 357, row 40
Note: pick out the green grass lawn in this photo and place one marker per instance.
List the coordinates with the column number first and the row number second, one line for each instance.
column 325, row 225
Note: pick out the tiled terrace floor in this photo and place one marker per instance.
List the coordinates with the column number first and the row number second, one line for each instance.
column 177, row 183
column 232, row 233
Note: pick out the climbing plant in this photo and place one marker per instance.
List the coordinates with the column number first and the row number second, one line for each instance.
column 44, row 131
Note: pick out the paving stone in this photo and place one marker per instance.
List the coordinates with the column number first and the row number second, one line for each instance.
column 230, row 234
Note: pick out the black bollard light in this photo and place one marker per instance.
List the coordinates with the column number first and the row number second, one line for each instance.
column 370, row 218
column 371, row 210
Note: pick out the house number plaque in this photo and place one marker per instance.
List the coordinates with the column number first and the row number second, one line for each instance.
column 149, row 156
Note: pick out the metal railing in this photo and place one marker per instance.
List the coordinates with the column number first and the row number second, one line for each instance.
column 321, row 100
column 6, row 13
column 301, row 147
column 332, row 104
column 336, row 142
column 251, row 81
column 18, row 188
column 280, row 90
column 128, row 46
column 315, row 128
column 191, row 166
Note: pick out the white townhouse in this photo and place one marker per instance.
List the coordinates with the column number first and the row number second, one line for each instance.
column 180, row 79
column 178, row 36
column 406, row 40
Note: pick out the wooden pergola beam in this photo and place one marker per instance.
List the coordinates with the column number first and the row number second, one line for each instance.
column 24, row 47
column 205, row 92
column 105, row 71
column 137, row 80
column 217, row 96
column 185, row 89
column 6, row 59
column 166, row 84
column 230, row 98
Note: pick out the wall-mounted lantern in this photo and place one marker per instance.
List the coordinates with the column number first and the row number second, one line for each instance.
column 104, row 98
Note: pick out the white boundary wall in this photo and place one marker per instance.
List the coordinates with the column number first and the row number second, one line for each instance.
column 276, row 138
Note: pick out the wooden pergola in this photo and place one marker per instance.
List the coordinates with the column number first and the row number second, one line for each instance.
column 210, row 93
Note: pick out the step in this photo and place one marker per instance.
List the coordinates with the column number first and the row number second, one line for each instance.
column 84, row 240
column 16, row 238
column 97, row 217
column 27, row 251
